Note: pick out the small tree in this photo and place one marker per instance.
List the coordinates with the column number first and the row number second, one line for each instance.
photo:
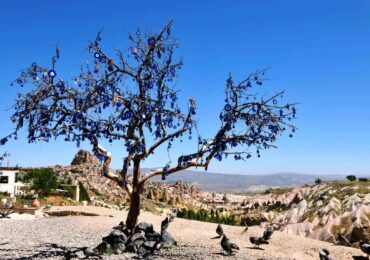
column 363, row 179
column 43, row 180
column 351, row 178
column 83, row 193
column 318, row 181
column 130, row 98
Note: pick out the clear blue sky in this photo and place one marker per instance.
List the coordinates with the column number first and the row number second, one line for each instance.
column 318, row 51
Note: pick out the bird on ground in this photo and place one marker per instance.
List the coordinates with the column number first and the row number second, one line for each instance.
column 219, row 230
column 365, row 248
column 121, row 226
column 164, row 225
column 6, row 214
column 324, row 254
column 342, row 240
column 48, row 207
column 245, row 229
column 257, row 241
column 173, row 215
column 228, row 246
column 268, row 232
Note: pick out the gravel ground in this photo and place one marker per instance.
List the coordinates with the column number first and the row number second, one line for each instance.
column 47, row 237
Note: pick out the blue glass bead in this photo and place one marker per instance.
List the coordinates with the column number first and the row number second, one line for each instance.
column 52, row 73
column 128, row 114
column 151, row 41
column 103, row 59
column 97, row 55
column 227, row 107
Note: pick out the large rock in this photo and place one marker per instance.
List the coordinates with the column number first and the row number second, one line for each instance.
column 115, row 237
column 352, row 200
column 146, row 227
column 83, row 157
column 300, row 229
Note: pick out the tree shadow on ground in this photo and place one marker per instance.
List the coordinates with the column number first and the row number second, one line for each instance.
column 360, row 257
column 223, row 254
column 50, row 250
column 256, row 248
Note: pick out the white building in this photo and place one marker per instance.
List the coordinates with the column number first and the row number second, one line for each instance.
column 8, row 181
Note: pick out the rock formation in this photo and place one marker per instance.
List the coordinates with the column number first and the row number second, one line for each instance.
column 84, row 157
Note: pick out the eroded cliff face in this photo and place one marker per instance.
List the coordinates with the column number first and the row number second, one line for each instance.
column 333, row 212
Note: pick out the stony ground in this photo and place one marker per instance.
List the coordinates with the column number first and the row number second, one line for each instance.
column 45, row 238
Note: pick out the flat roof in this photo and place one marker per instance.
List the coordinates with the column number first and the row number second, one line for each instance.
column 9, row 168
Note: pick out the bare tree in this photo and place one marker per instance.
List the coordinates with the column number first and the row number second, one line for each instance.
column 130, row 98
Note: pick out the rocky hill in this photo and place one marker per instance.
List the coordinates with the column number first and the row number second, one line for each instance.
column 336, row 212
column 238, row 183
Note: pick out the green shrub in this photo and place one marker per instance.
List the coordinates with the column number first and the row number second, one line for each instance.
column 351, row 177
column 83, row 193
column 43, row 180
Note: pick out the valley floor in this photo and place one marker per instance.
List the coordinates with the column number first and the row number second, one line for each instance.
column 43, row 238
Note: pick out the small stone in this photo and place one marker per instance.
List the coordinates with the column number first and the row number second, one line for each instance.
column 102, row 248
column 89, row 251
column 142, row 251
column 119, row 248
column 150, row 244
column 154, row 236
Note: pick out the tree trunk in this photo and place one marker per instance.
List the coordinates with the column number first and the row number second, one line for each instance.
column 134, row 211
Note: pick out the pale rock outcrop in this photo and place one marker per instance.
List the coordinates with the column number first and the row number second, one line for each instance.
column 333, row 204
column 83, row 157
column 325, row 233
column 302, row 207
column 301, row 229
column 366, row 199
column 352, row 200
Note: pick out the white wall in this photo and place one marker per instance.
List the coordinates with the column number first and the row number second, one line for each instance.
column 10, row 187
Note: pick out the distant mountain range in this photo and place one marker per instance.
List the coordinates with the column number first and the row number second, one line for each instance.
column 238, row 183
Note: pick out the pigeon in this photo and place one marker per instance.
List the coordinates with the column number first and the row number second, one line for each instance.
column 365, row 248
column 48, row 207
column 228, row 246
column 219, row 230
column 342, row 240
column 257, row 241
column 164, row 225
column 245, row 229
column 268, row 232
column 5, row 214
column 324, row 254
column 173, row 215
column 121, row 226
